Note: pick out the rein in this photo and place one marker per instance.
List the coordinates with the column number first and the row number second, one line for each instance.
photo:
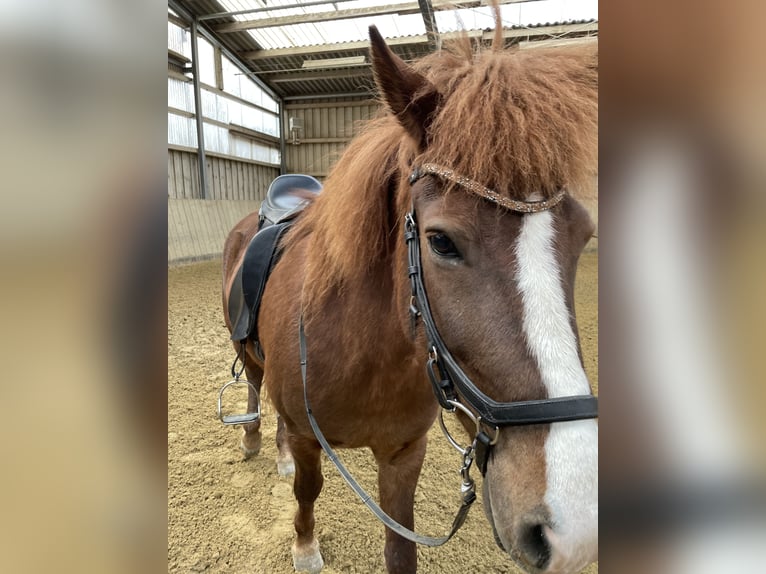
column 468, row 488
column 449, row 381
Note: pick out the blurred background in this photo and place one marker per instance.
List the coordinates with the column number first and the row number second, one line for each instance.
column 83, row 227
column 682, row 277
column 82, row 252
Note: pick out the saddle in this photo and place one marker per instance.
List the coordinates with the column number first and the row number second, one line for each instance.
column 286, row 197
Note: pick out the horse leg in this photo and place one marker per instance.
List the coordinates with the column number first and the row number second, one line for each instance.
column 285, row 463
column 250, row 445
column 398, row 472
column 306, row 487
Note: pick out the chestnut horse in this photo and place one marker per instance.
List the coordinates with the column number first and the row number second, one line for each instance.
column 507, row 126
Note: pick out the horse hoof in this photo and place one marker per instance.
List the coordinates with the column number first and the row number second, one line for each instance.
column 285, row 466
column 250, row 445
column 308, row 558
column 247, row 452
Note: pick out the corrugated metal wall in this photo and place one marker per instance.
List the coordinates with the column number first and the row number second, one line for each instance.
column 328, row 125
column 241, row 138
column 227, row 178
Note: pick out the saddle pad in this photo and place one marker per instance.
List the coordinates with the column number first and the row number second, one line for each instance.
column 249, row 283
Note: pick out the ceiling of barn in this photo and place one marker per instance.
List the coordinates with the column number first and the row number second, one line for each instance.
column 318, row 48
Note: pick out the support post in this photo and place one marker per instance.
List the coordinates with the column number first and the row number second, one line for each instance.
column 282, row 138
column 198, row 112
column 427, row 12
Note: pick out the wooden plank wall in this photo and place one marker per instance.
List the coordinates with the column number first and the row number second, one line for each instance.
column 197, row 228
column 328, row 126
column 228, row 178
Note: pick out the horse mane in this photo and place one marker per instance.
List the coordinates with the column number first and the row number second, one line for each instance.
column 516, row 121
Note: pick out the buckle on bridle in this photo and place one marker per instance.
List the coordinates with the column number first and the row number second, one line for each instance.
column 443, row 389
column 410, row 228
column 414, row 314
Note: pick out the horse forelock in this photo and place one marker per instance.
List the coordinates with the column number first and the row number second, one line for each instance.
column 518, row 122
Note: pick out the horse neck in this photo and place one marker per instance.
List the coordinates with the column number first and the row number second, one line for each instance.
column 381, row 302
column 366, row 312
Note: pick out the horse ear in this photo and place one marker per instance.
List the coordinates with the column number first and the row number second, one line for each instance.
column 408, row 94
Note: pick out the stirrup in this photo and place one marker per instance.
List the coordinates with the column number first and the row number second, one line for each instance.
column 243, row 418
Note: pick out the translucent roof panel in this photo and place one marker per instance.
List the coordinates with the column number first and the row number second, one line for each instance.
column 326, row 32
column 517, row 14
column 351, row 30
column 392, row 25
column 530, row 13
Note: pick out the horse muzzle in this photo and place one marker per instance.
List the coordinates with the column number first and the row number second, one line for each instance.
column 536, row 547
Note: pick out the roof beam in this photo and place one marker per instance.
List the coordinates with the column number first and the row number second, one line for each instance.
column 399, row 9
column 218, row 15
column 321, row 49
column 537, row 32
column 180, row 22
column 558, row 43
column 362, row 72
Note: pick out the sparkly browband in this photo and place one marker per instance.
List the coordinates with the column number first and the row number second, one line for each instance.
column 486, row 193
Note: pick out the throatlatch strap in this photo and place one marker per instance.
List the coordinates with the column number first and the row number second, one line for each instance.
column 468, row 497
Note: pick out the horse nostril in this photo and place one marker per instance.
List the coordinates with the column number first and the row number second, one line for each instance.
column 534, row 546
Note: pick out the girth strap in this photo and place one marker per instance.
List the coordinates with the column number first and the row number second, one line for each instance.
column 469, row 494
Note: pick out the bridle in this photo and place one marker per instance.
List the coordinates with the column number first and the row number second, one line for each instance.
column 451, row 385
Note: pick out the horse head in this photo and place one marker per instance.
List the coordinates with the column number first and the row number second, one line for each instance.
column 498, row 129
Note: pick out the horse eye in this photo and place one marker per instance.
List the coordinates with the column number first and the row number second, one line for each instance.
column 442, row 245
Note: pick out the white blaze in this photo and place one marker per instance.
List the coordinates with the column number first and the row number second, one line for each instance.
column 571, row 449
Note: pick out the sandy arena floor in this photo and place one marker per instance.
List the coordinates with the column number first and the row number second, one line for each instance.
column 226, row 514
